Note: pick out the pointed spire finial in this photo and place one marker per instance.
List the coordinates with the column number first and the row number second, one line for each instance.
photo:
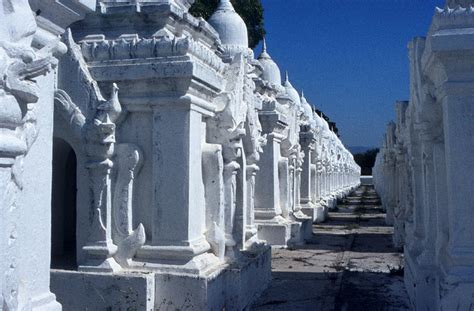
column 225, row 5
column 264, row 54
column 286, row 76
column 302, row 93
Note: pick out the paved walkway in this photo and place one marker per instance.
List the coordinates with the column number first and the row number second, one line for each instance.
column 349, row 264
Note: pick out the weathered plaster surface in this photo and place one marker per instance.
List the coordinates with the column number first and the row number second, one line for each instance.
column 424, row 170
column 187, row 157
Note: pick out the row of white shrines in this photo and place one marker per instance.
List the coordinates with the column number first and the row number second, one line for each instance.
column 425, row 170
column 150, row 158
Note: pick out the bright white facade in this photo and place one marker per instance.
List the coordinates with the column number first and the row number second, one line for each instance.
column 425, row 170
column 29, row 49
column 153, row 159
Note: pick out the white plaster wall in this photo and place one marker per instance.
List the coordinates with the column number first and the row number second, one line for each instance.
column 34, row 231
column 137, row 128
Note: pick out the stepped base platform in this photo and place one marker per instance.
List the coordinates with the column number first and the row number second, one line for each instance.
column 280, row 232
column 318, row 213
column 230, row 286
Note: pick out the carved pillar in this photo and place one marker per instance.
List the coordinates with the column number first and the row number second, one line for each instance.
column 235, row 192
column 251, row 229
column 178, row 211
column 230, row 192
column 409, row 201
column 418, row 211
column 240, row 222
column 339, row 177
column 100, row 247
column 99, row 133
column 291, row 183
column 441, row 192
column 299, row 170
column 458, row 110
column 328, row 179
column 414, row 244
column 285, row 186
column 307, row 147
column 298, row 159
column 342, row 177
column 213, row 175
column 399, row 204
column 324, row 181
column 458, row 265
column 427, row 257
column 319, row 181
column 334, row 178
column 267, row 198
column 314, row 183
column 390, row 188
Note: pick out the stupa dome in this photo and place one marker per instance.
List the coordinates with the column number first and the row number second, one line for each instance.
column 230, row 27
column 308, row 111
column 291, row 92
column 271, row 73
column 319, row 120
column 325, row 125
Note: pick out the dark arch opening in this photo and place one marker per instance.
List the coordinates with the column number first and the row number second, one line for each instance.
column 63, row 206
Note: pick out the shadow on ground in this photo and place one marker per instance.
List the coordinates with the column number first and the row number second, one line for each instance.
column 349, row 264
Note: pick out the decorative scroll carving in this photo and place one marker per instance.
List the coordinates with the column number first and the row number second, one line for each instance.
column 162, row 44
column 128, row 159
column 96, row 130
column 227, row 129
column 70, row 111
column 213, row 170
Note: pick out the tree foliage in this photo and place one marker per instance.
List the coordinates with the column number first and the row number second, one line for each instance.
column 251, row 12
column 366, row 160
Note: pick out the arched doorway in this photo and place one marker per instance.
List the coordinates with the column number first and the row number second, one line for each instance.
column 63, row 206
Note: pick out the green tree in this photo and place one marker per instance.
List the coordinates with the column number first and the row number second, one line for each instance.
column 366, row 160
column 251, row 12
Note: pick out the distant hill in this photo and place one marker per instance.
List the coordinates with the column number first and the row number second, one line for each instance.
column 359, row 149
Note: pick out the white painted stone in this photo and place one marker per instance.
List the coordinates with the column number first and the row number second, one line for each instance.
column 230, row 27
column 177, row 158
column 103, row 291
column 424, row 170
column 28, row 50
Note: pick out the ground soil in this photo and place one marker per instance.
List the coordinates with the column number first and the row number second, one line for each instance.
column 349, row 263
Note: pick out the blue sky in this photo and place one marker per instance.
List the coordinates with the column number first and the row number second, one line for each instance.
column 349, row 56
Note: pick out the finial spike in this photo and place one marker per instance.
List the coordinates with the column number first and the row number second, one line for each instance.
column 264, row 49
column 225, row 5
column 286, row 76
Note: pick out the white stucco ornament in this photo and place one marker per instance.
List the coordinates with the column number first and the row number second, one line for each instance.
column 168, row 160
column 230, row 27
column 291, row 91
column 270, row 70
column 424, row 169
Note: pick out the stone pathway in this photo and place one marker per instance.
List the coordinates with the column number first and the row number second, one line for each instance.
column 349, row 264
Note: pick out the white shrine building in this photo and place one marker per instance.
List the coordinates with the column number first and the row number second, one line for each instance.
column 148, row 160
column 425, row 170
